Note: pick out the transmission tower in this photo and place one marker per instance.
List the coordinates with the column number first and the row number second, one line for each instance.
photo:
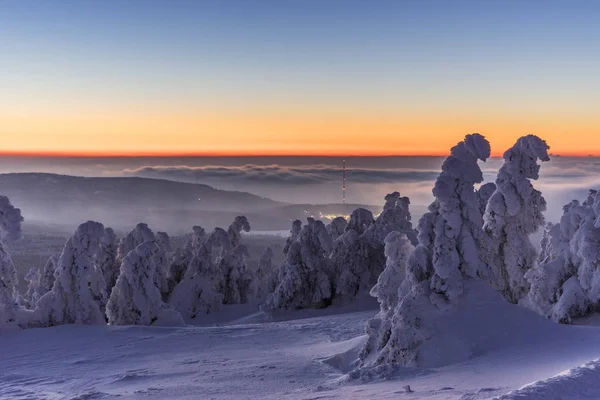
column 343, row 181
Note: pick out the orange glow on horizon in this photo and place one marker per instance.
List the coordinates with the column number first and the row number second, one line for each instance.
column 163, row 134
column 89, row 154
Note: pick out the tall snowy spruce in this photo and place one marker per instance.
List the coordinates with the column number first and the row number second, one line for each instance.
column 445, row 257
column 566, row 283
column 142, row 233
column 513, row 213
column 233, row 263
column 79, row 290
column 237, row 277
column 336, row 227
column 261, row 279
column 350, row 257
column 359, row 253
column 397, row 250
column 197, row 293
column 47, row 278
column 277, row 273
column 305, row 276
column 182, row 257
column 30, row 297
column 10, row 228
column 106, row 259
column 135, row 299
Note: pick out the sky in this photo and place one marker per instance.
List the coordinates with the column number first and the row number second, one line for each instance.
column 312, row 77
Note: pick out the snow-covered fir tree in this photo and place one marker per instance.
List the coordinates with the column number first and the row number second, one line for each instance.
column 261, row 279
column 306, row 274
column 182, row 257
column 47, row 276
column 445, row 257
column 275, row 276
column 79, row 291
column 106, row 259
column 198, row 292
column 336, row 227
column 513, row 213
column 237, row 278
column 10, row 228
column 359, row 253
column 397, row 250
column 566, row 283
column 142, row 233
column 31, row 296
column 164, row 241
column 350, row 256
column 294, row 232
column 239, row 224
column 135, row 299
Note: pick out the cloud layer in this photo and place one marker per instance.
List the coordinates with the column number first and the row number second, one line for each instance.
column 282, row 175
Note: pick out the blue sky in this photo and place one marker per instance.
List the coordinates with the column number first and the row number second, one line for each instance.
column 527, row 59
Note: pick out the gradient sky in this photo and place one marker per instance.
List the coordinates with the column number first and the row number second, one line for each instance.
column 339, row 77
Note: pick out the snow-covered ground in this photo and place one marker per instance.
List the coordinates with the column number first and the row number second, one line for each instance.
column 305, row 357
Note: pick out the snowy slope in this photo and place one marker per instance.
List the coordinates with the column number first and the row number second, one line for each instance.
column 250, row 358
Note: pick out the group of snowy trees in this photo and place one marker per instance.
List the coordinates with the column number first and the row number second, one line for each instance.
column 467, row 235
column 566, row 283
column 136, row 280
column 339, row 262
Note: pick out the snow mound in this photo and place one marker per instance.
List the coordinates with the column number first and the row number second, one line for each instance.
column 578, row 383
column 481, row 322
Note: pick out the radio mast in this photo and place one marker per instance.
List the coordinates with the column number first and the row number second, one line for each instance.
column 343, row 181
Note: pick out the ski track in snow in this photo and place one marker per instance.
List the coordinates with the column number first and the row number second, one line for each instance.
column 297, row 359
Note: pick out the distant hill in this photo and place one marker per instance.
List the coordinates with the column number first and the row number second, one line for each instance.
column 62, row 201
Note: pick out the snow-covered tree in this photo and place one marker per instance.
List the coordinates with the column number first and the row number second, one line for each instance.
column 106, row 259
column 197, row 293
column 162, row 259
column 336, row 227
column 359, row 253
column 39, row 282
column 48, row 274
column 30, row 297
column 163, row 240
column 484, row 193
column 305, row 276
column 397, row 250
column 264, row 271
column 394, row 217
column 239, row 224
column 135, row 299
column 10, row 219
column 513, row 213
column 10, row 227
column 294, row 232
column 446, row 255
column 350, row 257
column 237, row 278
column 142, row 233
column 79, row 289
column 182, row 257
column 566, row 283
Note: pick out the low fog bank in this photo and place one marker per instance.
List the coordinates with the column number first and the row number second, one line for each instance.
column 290, row 180
column 59, row 203
column 561, row 180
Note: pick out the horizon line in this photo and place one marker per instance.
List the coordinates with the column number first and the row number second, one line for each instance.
column 91, row 154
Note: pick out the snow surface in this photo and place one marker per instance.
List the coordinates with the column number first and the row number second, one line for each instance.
column 515, row 354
